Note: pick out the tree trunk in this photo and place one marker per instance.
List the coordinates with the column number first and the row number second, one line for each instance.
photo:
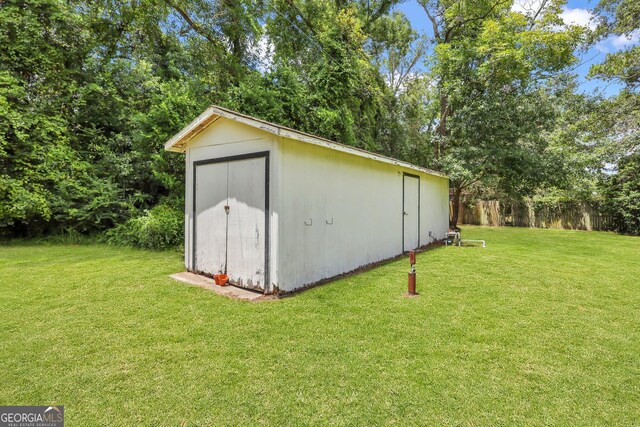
column 453, row 223
column 441, row 129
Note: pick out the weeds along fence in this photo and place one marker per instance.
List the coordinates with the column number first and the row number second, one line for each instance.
column 566, row 215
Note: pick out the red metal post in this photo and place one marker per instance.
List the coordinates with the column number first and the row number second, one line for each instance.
column 412, row 283
column 412, row 274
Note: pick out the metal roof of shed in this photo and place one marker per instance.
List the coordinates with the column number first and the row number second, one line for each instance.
column 179, row 141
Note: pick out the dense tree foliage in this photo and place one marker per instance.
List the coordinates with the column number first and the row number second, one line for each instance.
column 621, row 114
column 622, row 195
column 84, row 107
column 491, row 67
column 91, row 90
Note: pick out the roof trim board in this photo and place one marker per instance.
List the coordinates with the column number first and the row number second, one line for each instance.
column 179, row 141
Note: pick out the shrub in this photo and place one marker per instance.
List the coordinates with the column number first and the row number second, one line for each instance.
column 161, row 227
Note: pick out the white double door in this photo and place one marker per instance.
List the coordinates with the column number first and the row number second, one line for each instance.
column 230, row 220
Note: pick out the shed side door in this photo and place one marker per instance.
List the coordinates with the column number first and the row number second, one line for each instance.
column 410, row 212
column 210, row 217
column 246, row 237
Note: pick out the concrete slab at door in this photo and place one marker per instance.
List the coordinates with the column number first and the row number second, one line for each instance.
column 210, row 217
column 410, row 212
column 246, row 239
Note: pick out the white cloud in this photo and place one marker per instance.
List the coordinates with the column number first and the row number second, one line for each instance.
column 621, row 42
column 579, row 17
column 527, row 7
column 583, row 18
column 615, row 43
column 603, row 46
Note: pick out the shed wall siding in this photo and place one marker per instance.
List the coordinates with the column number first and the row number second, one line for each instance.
column 340, row 212
column 434, row 208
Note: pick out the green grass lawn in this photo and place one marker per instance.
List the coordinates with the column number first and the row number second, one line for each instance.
column 542, row 327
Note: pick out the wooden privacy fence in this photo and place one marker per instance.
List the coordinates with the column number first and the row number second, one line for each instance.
column 567, row 215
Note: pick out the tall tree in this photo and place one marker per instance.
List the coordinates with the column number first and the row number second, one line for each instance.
column 490, row 65
column 321, row 67
column 621, row 18
column 44, row 177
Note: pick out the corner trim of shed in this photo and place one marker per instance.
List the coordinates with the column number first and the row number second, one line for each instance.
column 178, row 143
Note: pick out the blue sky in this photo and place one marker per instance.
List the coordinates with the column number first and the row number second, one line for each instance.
column 576, row 12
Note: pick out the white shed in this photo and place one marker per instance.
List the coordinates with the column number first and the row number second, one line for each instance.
column 278, row 210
